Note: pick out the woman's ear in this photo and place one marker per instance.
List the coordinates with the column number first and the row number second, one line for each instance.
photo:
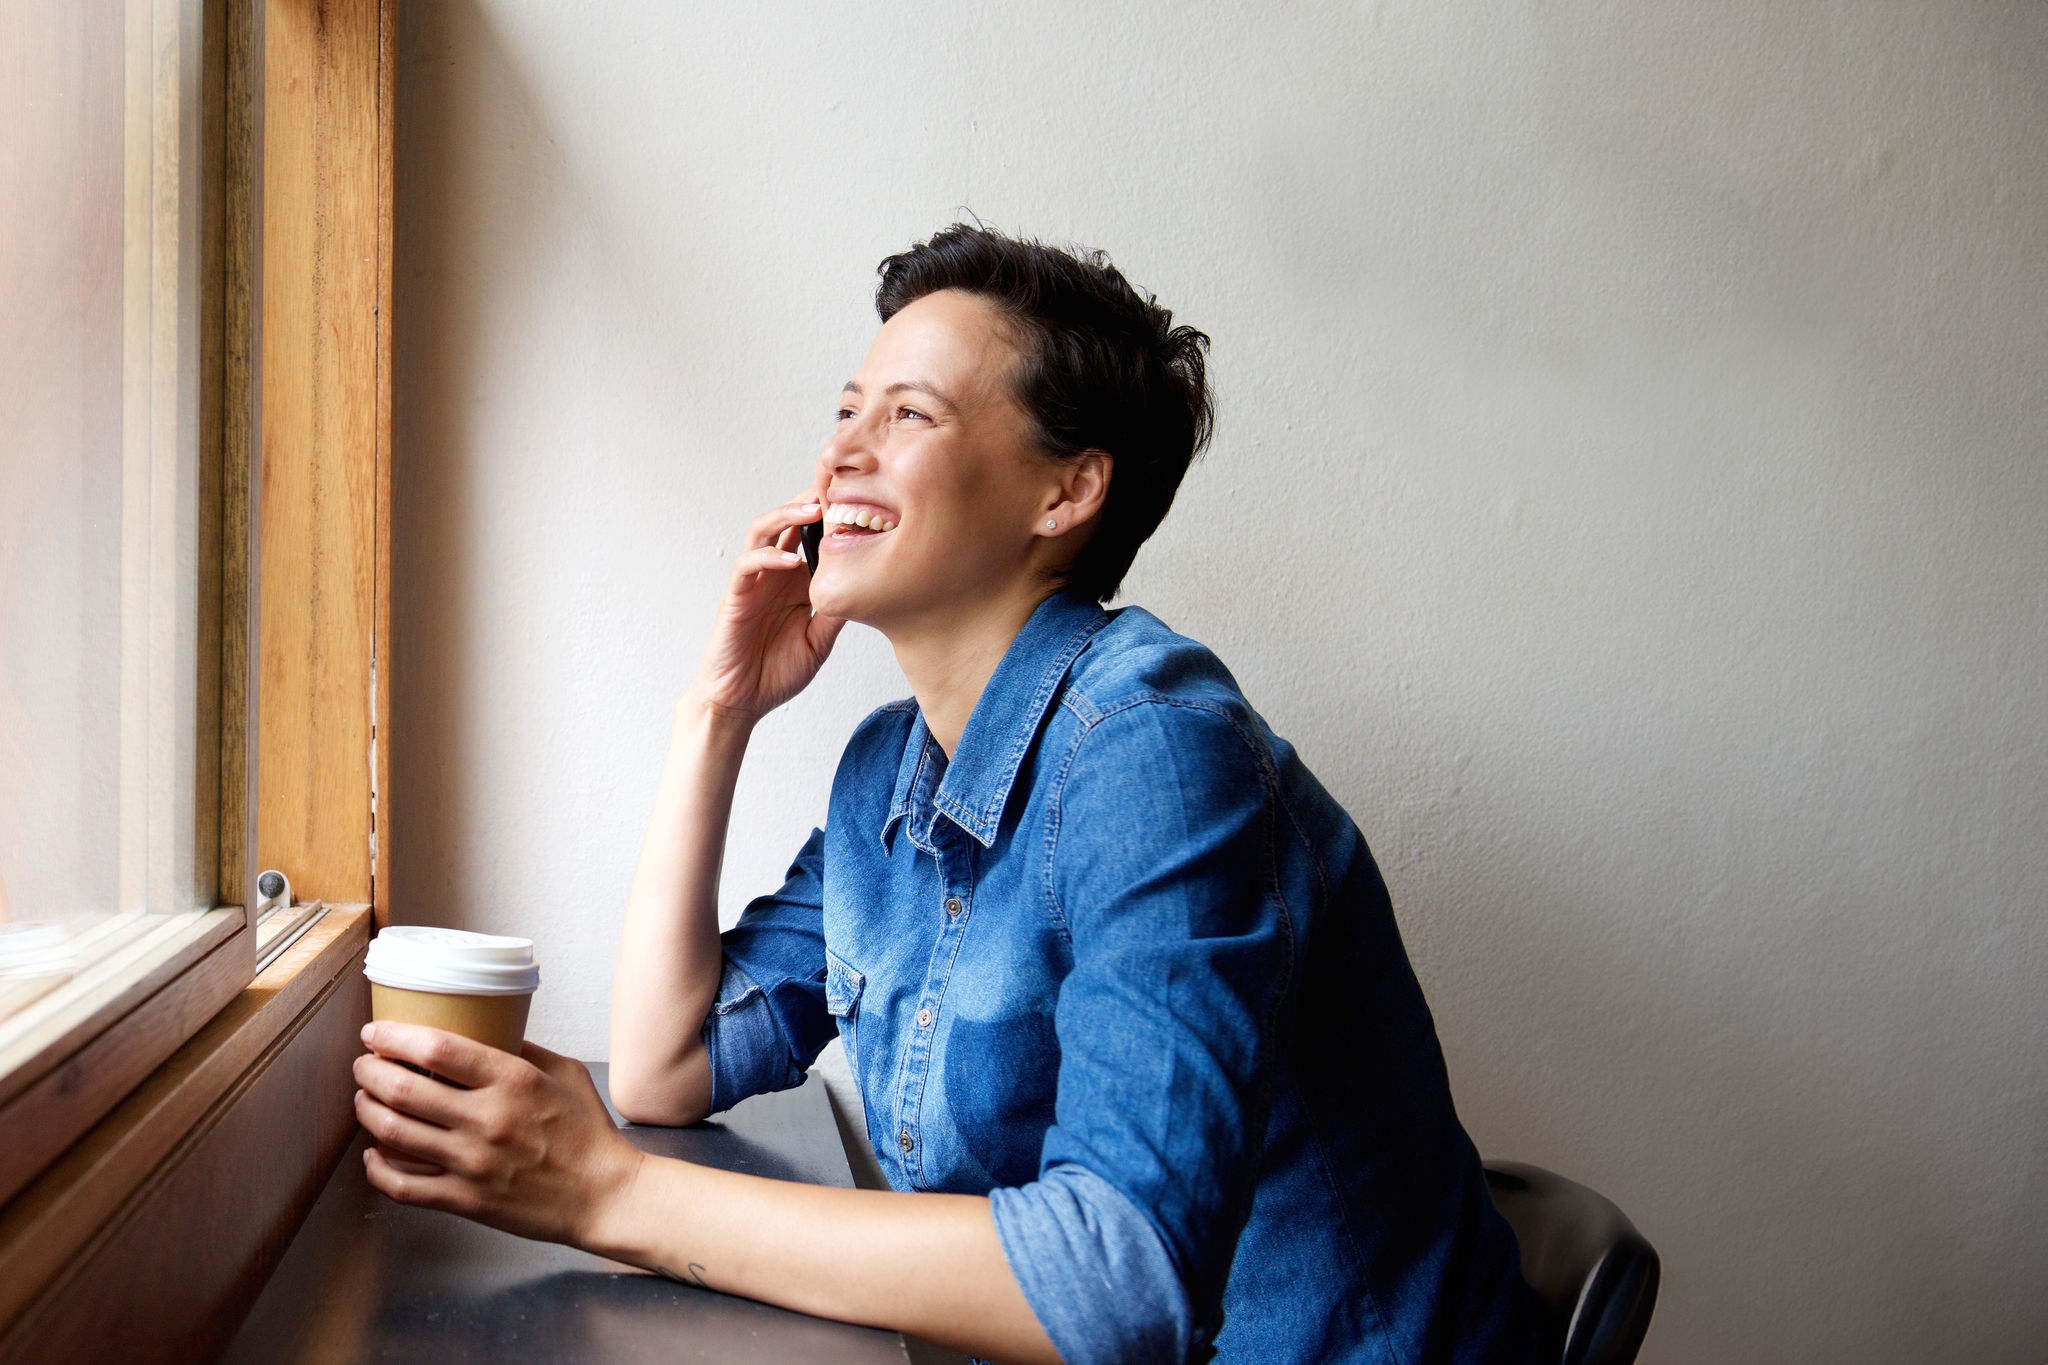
column 1080, row 494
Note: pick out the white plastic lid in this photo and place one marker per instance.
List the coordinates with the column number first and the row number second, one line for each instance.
column 35, row 948
column 411, row 957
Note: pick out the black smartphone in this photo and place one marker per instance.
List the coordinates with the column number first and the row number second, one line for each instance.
column 811, row 534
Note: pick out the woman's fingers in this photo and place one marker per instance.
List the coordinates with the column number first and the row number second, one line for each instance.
column 423, row 1097
column 445, row 1192
column 448, row 1055
column 409, row 1135
column 766, row 559
column 409, row 1165
column 767, row 529
column 762, row 650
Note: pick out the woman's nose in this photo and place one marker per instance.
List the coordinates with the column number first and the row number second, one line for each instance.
column 850, row 447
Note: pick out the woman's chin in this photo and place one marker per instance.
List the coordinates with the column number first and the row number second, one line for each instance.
column 833, row 595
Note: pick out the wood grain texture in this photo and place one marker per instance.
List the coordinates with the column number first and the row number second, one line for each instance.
column 163, row 1010
column 387, row 187
column 320, row 420
column 169, row 1277
column 211, row 597
column 44, row 1228
column 237, row 411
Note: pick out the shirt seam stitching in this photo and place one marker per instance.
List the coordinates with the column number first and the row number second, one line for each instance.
column 1055, row 815
column 1358, row 1261
column 1269, row 781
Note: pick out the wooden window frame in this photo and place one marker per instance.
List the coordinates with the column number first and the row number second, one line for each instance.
column 148, row 1232
column 73, row 1055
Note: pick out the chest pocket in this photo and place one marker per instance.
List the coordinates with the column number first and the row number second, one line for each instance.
column 843, row 986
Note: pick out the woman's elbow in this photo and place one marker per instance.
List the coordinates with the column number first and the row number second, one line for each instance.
column 669, row 1098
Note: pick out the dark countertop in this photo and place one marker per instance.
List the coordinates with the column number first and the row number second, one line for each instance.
column 370, row 1280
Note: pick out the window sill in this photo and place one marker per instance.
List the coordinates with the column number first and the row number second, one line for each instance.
column 73, row 1054
column 152, row 1234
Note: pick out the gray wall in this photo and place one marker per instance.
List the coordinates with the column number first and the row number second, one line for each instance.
column 1630, row 495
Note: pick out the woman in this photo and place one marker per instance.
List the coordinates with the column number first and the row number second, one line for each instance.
column 1118, row 980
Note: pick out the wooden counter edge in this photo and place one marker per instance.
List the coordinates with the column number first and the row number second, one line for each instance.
column 149, row 1180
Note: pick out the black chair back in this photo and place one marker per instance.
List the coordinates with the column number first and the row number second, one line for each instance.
column 1596, row 1275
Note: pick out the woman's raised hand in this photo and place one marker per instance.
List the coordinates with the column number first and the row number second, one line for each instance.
column 766, row 645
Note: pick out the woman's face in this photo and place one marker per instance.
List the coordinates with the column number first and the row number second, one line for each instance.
column 936, row 497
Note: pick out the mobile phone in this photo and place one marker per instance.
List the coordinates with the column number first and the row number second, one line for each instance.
column 811, row 534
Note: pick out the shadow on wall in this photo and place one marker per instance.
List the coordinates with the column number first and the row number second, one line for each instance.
column 445, row 290
column 1704, row 1054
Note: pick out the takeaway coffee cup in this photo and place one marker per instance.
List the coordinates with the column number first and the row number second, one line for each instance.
column 477, row 985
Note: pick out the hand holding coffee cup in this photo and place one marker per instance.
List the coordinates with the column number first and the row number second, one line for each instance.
column 478, row 985
column 520, row 1142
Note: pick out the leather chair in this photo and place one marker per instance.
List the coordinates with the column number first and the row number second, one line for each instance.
column 1595, row 1274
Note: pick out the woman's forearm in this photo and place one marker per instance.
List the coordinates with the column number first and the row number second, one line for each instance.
column 669, row 960
column 927, row 1264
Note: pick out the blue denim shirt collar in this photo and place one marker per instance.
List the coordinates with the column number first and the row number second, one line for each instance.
column 975, row 786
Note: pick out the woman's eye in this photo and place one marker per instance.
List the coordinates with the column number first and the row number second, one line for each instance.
column 903, row 413
column 843, row 414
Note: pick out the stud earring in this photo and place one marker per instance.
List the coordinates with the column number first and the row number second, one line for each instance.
column 1051, row 525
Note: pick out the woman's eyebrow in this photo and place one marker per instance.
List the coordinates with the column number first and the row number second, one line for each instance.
column 907, row 386
column 920, row 386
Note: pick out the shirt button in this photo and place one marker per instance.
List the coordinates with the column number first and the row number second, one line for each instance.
column 903, row 1140
column 952, row 906
column 924, row 1018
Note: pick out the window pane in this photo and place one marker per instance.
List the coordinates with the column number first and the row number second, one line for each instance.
column 98, row 492
column 61, row 86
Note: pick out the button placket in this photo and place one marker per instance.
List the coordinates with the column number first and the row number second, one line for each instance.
column 952, row 860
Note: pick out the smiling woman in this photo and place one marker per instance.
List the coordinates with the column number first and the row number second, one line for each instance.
column 1094, row 939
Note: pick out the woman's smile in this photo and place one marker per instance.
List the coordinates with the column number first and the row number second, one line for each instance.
column 850, row 523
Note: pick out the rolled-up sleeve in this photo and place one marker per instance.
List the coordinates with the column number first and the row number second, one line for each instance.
column 1075, row 1244
column 769, row 1022
column 1164, row 874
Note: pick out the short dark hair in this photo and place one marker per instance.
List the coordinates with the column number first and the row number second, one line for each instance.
column 1104, row 368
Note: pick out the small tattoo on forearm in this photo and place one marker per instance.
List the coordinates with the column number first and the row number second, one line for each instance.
column 696, row 1275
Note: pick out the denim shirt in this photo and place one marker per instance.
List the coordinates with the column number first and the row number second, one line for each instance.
column 1124, row 967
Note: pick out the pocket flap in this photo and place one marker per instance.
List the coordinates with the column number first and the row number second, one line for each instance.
column 842, row 987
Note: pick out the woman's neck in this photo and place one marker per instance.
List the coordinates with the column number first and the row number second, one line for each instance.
column 949, row 664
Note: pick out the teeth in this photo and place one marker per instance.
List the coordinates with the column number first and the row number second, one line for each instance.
column 858, row 516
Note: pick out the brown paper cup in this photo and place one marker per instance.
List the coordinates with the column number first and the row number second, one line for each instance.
column 497, row 1021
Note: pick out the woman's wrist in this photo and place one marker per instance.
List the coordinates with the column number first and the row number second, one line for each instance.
column 612, row 1223
column 714, row 722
